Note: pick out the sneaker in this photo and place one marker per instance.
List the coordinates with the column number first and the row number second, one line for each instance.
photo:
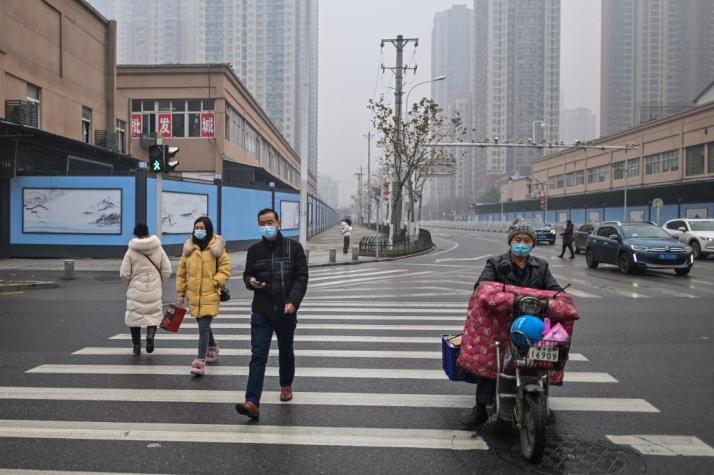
column 248, row 408
column 198, row 367
column 478, row 417
column 286, row 393
column 212, row 354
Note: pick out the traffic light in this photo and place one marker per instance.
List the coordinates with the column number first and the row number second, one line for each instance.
column 161, row 158
column 156, row 158
column 542, row 201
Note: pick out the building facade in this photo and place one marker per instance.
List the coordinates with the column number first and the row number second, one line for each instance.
column 271, row 44
column 451, row 57
column 515, row 81
column 577, row 124
column 656, row 56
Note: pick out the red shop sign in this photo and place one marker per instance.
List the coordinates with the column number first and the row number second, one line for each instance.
column 208, row 124
column 165, row 125
column 136, row 125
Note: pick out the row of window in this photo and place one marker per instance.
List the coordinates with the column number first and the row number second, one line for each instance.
column 240, row 132
column 185, row 115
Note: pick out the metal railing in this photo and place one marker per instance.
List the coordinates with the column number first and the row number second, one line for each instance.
column 378, row 245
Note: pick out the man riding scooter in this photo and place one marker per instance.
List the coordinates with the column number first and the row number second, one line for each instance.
column 515, row 267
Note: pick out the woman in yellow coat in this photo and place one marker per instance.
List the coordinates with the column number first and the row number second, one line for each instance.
column 204, row 269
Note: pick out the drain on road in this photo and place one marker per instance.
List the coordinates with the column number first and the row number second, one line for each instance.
column 572, row 454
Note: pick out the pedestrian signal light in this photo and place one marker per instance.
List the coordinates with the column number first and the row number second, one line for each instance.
column 156, row 159
column 169, row 158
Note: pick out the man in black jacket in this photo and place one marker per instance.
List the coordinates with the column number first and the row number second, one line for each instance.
column 515, row 267
column 276, row 271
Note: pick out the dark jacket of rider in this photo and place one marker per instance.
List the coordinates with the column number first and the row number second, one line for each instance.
column 536, row 273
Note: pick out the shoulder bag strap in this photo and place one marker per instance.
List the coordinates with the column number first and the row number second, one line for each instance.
column 155, row 267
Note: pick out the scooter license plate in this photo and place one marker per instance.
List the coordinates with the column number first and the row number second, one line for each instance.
column 541, row 353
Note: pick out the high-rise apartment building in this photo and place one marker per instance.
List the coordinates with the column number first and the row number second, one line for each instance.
column 271, row 44
column 451, row 57
column 577, row 124
column 515, row 81
column 657, row 55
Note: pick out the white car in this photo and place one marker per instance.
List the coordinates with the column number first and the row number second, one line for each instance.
column 698, row 233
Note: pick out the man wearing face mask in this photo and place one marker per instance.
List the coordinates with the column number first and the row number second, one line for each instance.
column 515, row 267
column 276, row 272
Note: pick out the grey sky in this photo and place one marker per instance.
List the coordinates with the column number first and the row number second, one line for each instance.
column 350, row 33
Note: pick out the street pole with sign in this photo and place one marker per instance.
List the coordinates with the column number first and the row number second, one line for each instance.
column 658, row 204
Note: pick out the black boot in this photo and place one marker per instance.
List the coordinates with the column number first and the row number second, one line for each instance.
column 136, row 339
column 150, row 332
column 478, row 416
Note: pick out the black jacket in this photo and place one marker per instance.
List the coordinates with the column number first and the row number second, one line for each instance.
column 535, row 274
column 282, row 265
column 568, row 234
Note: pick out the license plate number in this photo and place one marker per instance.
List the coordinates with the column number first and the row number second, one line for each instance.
column 540, row 353
column 668, row 256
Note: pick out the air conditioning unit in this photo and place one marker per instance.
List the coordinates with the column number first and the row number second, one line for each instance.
column 21, row 112
column 106, row 139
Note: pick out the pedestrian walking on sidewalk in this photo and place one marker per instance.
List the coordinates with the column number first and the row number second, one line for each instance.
column 203, row 271
column 276, row 272
column 346, row 230
column 145, row 267
column 567, row 236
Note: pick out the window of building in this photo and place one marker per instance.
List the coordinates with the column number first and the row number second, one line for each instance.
column 555, row 182
column 626, row 168
column 33, row 97
column 598, row 174
column 710, row 155
column 86, row 124
column 695, row 160
column 663, row 162
column 121, row 136
column 576, row 178
column 185, row 115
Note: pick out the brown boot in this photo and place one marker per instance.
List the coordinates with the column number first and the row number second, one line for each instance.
column 248, row 408
column 286, row 393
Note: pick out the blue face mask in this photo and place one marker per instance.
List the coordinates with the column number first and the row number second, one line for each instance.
column 199, row 233
column 521, row 249
column 268, row 232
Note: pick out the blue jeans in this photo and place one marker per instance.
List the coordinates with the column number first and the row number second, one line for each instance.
column 261, row 334
column 205, row 336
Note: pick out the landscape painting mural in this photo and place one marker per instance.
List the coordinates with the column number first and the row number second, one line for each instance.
column 71, row 210
column 180, row 210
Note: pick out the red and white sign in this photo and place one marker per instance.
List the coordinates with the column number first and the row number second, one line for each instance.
column 208, row 124
column 165, row 125
column 136, row 125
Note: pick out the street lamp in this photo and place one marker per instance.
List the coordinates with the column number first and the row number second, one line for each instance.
column 621, row 166
column 533, row 128
column 438, row 78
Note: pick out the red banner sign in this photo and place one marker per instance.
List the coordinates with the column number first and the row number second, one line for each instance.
column 208, row 124
column 164, row 125
column 136, row 125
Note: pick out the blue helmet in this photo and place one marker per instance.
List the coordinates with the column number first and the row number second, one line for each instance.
column 530, row 326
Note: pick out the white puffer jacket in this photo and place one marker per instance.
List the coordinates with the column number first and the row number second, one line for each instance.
column 143, row 298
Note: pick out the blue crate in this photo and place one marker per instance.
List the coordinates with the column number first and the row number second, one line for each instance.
column 449, row 353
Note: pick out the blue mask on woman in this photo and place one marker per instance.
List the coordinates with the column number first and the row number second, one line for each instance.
column 521, row 249
column 268, row 232
column 199, row 234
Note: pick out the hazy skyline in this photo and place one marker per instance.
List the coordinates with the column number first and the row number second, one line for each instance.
column 350, row 34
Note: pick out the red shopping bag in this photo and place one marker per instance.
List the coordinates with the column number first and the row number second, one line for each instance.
column 173, row 318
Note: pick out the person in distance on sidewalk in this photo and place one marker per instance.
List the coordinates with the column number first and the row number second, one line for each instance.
column 145, row 267
column 204, row 269
column 276, row 272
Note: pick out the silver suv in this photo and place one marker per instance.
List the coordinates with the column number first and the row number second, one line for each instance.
column 698, row 233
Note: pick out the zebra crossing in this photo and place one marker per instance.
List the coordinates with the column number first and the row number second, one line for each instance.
column 388, row 356
column 365, row 283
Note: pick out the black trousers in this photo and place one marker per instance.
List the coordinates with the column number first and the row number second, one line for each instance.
column 567, row 245
column 485, row 391
column 346, row 247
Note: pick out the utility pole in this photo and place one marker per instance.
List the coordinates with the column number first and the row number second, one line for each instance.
column 359, row 194
column 369, row 178
column 399, row 43
column 159, row 192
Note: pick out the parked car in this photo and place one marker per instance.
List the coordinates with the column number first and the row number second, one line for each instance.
column 637, row 247
column 580, row 237
column 544, row 232
column 698, row 233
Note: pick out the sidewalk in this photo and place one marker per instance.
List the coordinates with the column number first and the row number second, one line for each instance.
column 318, row 246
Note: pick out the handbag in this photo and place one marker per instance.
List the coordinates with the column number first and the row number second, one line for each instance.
column 225, row 294
column 173, row 318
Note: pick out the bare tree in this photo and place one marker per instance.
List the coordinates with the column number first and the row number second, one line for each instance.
column 407, row 154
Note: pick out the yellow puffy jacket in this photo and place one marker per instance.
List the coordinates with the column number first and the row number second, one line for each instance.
column 201, row 274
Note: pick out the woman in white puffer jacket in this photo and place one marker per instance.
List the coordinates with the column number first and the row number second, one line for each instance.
column 145, row 267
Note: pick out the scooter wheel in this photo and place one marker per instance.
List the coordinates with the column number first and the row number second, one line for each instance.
column 532, row 432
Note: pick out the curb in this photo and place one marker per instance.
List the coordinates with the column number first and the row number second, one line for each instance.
column 25, row 285
column 384, row 259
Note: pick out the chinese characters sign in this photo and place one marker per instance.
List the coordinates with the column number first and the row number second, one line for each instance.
column 208, row 124
column 165, row 125
column 136, row 125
